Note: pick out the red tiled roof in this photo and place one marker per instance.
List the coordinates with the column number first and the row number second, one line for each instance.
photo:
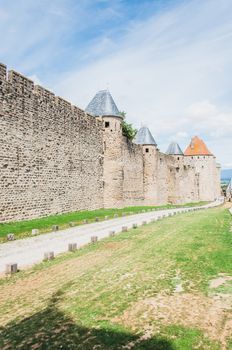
column 197, row 147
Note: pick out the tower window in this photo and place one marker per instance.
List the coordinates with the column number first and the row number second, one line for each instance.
column 147, row 150
column 107, row 124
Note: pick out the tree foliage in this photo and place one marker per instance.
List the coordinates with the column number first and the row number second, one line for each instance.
column 127, row 129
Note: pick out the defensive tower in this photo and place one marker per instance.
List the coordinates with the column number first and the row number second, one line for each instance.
column 103, row 107
column 150, row 166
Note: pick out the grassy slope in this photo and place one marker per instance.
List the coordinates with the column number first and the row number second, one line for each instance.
column 23, row 228
column 87, row 298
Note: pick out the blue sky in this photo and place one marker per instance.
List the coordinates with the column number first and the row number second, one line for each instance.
column 167, row 63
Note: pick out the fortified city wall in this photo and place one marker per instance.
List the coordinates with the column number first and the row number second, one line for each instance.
column 51, row 155
column 56, row 158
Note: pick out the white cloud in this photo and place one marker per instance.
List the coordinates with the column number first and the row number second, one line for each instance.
column 170, row 72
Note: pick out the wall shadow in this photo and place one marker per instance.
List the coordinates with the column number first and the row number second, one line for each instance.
column 50, row 329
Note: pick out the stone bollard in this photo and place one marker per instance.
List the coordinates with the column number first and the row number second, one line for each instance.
column 55, row 227
column 124, row 228
column 34, row 231
column 11, row 268
column 10, row 237
column 71, row 224
column 144, row 222
column 97, row 219
column 115, row 215
column 72, row 247
column 111, row 233
column 106, row 217
column 135, row 225
column 94, row 239
column 85, row 221
column 49, row 256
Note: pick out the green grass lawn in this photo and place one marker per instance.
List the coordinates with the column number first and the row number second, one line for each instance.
column 124, row 292
column 23, row 228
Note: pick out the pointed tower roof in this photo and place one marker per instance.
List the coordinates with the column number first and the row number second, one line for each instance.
column 174, row 149
column 144, row 137
column 197, row 147
column 103, row 104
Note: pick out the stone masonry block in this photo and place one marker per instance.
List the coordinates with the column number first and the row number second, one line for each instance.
column 94, row 239
column 10, row 237
column 72, row 247
column 11, row 268
column 49, row 256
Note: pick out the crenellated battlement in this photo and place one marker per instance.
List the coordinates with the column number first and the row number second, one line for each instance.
column 23, row 85
column 56, row 158
column 3, row 71
column 50, row 152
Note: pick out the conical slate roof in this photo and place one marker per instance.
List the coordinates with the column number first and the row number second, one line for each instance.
column 174, row 149
column 197, row 147
column 103, row 104
column 144, row 137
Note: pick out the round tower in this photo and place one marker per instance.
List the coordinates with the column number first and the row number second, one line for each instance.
column 181, row 188
column 103, row 107
column 207, row 171
column 149, row 146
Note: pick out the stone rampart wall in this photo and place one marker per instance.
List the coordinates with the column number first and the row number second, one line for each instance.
column 51, row 152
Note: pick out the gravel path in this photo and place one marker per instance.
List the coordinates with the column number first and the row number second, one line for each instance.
column 29, row 251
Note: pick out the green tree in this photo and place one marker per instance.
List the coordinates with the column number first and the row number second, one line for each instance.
column 127, row 129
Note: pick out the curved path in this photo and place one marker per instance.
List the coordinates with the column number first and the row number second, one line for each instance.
column 26, row 252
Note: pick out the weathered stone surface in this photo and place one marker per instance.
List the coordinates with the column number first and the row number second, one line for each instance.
column 49, row 256
column 10, row 237
column 94, row 239
column 72, row 161
column 11, row 268
column 72, row 247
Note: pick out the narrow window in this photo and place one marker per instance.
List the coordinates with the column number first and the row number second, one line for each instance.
column 147, row 150
column 107, row 124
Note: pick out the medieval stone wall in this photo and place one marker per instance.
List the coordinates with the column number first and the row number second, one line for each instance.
column 55, row 158
column 51, row 153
